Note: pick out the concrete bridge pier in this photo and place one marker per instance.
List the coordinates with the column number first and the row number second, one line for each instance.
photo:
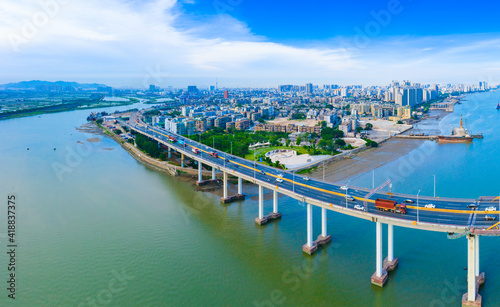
column 379, row 278
column 213, row 173
column 275, row 201
column 275, row 214
column 311, row 247
column 261, row 220
column 474, row 278
column 324, row 237
column 169, row 152
column 390, row 263
column 225, row 185
column 200, row 177
column 200, row 181
column 227, row 199
column 182, row 160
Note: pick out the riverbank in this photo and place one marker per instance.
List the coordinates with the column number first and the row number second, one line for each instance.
column 183, row 173
column 359, row 163
column 85, row 105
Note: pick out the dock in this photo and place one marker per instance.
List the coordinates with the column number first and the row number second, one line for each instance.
column 421, row 137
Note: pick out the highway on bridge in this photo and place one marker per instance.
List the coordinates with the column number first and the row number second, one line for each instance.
column 448, row 214
column 459, row 217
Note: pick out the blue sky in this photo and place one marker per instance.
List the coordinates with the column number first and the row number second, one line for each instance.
column 284, row 20
column 249, row 42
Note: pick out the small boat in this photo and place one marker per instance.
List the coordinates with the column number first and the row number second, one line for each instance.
column 498, row 106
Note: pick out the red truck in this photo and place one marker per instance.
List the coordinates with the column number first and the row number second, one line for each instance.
column 390, row 205
column 195, row 151
column 214, row 154
column 172, row 139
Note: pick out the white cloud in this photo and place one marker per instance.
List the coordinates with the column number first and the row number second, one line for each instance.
column 118, row 42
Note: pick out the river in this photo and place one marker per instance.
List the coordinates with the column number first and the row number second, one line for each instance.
column 95, row 227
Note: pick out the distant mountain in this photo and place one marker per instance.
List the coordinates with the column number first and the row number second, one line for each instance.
column 37, row 84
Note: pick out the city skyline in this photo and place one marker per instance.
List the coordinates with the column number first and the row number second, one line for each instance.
column 180, row 43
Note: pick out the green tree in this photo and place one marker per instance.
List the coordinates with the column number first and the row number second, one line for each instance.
column 340, row 142
column 298, row 141
column 327, row 133
column 299, row 116
column 370, row 143
column 359, row 129
column 368, row 126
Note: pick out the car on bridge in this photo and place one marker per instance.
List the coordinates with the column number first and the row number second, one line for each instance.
column 279, row 180
column 489, row 218
column 472, row 206
column 430, row 206
column 359, row 207
column 344, row 187
column 490, row 209
column 306, row 178
column 409, row 201
column 349, row 197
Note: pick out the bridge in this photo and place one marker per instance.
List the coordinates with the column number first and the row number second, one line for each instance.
column 471, row 218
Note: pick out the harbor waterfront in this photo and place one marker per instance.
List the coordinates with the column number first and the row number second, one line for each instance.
column 89, row 214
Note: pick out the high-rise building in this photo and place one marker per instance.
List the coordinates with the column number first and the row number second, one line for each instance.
column 309, row 88
column 192, row 89
column 483, row 85
column 190, row 127
column 185, row 111
column 226, row 94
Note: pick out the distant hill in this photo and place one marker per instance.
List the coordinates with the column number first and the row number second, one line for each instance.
column 37, row 84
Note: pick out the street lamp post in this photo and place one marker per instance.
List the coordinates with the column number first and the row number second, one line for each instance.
column 346, row 188
column 417, row 206
column 323, row 170
column 434, row 186
column 293, row 181
column 254, row 165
